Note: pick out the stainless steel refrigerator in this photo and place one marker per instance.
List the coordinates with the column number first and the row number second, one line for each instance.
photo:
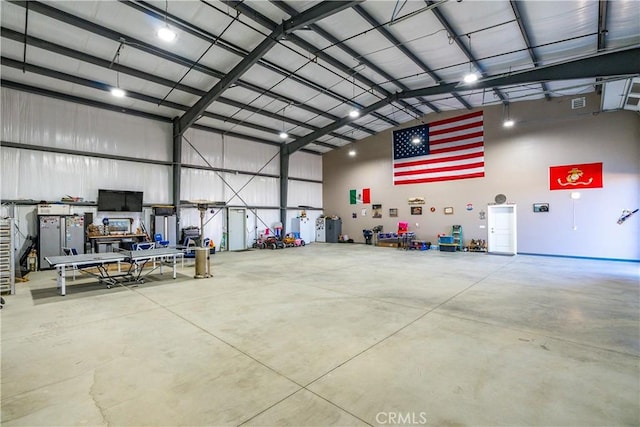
column 56, row 232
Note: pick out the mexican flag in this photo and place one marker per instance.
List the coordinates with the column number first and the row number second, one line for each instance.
column 360, row 196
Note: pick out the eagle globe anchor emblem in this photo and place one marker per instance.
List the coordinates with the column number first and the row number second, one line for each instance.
column 573, row 179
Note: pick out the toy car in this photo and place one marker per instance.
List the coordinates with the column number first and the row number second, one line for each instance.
column 289, row 241
column 273, row 243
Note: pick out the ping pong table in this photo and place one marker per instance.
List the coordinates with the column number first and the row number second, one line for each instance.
column 97, row 265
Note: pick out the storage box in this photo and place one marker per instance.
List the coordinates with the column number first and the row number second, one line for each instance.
column 445, row 239
column 388, row 244
column 447, row 248
column 54, row 209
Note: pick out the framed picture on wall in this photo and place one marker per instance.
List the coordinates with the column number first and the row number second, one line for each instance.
column 448, row 211
column 376, row 211
column 393, row 212
column 416, row 210
column 541, row 207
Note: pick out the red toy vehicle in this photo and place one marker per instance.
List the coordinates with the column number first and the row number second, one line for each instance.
column 272, row 242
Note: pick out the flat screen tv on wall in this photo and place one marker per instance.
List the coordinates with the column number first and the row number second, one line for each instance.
column 119, row 201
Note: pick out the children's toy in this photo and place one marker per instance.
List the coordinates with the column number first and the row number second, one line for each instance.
column 289, row 241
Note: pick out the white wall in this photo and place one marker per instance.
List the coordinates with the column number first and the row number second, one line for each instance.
column 517, row 164
column 35, row 174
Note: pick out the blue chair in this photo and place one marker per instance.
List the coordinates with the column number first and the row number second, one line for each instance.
column 159, row 241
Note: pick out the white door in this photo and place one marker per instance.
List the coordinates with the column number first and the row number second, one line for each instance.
column 237, row 229
column 502, row 226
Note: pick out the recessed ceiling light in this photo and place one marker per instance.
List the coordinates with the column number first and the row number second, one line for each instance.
column 117, row 92
column 354, row 113
column 284, row 135
column 166, row 34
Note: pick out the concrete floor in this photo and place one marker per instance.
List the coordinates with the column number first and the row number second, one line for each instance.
column 331, row 334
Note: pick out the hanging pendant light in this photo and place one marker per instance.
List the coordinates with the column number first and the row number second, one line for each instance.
column 165, row 33
column 117, row 91
column 472, row 76
column 283, row 132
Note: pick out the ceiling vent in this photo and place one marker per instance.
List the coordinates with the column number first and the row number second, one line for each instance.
column 578, row 103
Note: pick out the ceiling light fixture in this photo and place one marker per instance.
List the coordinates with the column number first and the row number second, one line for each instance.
column 352, row 152
column 165, row 33
column 507, row 121
column 283, row 133
column 117, row 91
column 472, row 76
column 355, row 112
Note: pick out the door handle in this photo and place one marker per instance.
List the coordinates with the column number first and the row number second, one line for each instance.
column 492, row 229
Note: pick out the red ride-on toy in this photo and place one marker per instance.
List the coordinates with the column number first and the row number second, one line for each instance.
column 273, row 243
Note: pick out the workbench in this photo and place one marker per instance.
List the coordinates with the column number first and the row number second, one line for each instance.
column 120, row 240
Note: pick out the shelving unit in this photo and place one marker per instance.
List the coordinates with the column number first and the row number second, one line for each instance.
column 7, row 265
column 456, row 232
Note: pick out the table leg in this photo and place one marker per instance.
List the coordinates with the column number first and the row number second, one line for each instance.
column 62, row 277
column 174, row 266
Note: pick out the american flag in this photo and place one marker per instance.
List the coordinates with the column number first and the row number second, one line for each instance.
column 448, row 149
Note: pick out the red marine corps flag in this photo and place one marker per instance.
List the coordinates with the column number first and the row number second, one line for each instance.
column 573, row 177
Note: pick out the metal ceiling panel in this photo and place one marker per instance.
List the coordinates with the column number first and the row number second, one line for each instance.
column 276, row 14
column 230, row 127
column 84, row 92
column 562, row 29
column 16, row 75
column 12, row 16
column 623, row 23
column 394, row 57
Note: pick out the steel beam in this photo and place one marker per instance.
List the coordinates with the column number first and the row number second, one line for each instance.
column 198, row 32
column 266, row 22
column 395, row 42
column 309, row 16
column 139, row 96
column 622, row 62
column 454, row 36
column 525, row 35
column 194, row 113
column 102, row 31
column 81, row 56
column 606, row 64
column 82, row 101
column 342, row 46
